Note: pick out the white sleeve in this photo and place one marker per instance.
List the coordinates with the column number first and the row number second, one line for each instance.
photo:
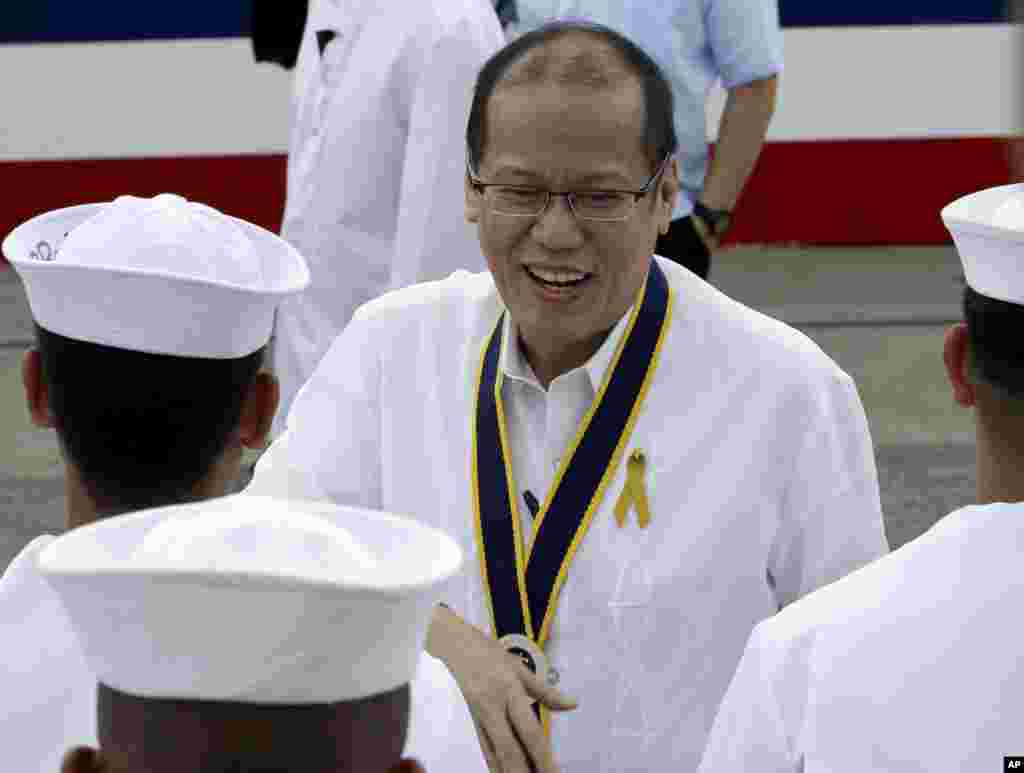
column 831, row 514
column 331, row 449
column 433, row 238
column 749, row 732
column 441, row 734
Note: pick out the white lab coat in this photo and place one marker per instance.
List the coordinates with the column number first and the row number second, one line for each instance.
column 48, row 690
column 910, row 664
column 377, row 160
column 761, row 481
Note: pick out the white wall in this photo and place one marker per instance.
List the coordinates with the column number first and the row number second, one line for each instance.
column 208, row 97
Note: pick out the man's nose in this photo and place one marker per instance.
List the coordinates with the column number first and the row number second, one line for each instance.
column 556, row 226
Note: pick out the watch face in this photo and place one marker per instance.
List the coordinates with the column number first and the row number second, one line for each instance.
column 716, row 220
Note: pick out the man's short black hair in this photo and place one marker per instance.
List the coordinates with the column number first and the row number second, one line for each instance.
column 996, row 331
column 142, row 429
column 659, row 125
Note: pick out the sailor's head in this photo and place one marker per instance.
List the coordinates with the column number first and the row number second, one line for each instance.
column 984, row 354
column 152, row 317
column 250, row 633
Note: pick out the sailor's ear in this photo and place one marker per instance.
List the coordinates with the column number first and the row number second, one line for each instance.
column 956, row 356
column 258, row 410
column 37, row 393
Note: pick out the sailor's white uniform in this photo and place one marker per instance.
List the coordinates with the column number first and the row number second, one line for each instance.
column 172, row 277
column 912, row 663
column 909, row 664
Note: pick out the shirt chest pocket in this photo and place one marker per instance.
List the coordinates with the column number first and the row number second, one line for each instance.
column 630, row 606
column 643, row 578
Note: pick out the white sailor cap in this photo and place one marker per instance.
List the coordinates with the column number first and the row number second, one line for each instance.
column 252, row 599
column 161, row 275
column 988, row 230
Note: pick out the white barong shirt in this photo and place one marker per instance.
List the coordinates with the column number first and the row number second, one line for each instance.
column 761, row 480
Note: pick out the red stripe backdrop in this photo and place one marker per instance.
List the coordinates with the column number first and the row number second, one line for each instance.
column 250, row 186
column 855, row 192
column 863, row 192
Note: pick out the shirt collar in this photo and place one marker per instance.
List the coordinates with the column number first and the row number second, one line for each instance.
column 515, row 366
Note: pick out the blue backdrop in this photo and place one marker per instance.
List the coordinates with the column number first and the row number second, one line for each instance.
column 38, row 21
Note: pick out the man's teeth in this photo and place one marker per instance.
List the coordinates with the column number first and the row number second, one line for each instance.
column 557, row 276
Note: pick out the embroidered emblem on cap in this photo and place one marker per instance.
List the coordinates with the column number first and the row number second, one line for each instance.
column 217, row 280
column 43, row 252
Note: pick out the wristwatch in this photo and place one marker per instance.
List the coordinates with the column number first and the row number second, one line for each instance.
column 716, row 220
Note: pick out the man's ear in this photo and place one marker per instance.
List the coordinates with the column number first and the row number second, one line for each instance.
column 474, row 202
column 259, row 406
column 956, row 352
column 82, row 759
column 37, row 393
column 668, row 195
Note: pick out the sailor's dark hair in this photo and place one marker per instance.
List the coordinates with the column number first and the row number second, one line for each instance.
column 997, row 345
column 142, row 429
column 229, row 737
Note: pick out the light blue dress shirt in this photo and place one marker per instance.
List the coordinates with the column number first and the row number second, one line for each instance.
column 695, row 42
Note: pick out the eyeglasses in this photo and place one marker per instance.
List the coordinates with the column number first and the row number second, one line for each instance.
column 606, row 206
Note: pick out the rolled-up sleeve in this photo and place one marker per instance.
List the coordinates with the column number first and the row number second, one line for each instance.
column 831, row 515
column 745, row 39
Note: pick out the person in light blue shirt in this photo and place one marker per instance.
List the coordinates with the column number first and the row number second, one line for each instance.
column 697, row 42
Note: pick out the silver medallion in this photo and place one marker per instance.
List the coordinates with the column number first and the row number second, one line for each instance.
column 533, row 657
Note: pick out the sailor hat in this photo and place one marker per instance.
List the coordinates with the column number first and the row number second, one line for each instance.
column 988, row 230
column 161, row 275
column 252, row 599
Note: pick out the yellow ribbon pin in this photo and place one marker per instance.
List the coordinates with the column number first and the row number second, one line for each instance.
column 634, row 491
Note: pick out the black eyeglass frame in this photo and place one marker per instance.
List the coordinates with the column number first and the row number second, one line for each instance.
column 481, row 187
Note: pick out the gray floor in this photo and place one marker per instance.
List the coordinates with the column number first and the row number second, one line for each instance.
column 879, row 312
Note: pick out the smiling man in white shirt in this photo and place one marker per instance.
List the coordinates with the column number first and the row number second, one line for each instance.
column 638, row 468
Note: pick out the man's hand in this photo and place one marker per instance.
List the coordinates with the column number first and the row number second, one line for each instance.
column 500, row 691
